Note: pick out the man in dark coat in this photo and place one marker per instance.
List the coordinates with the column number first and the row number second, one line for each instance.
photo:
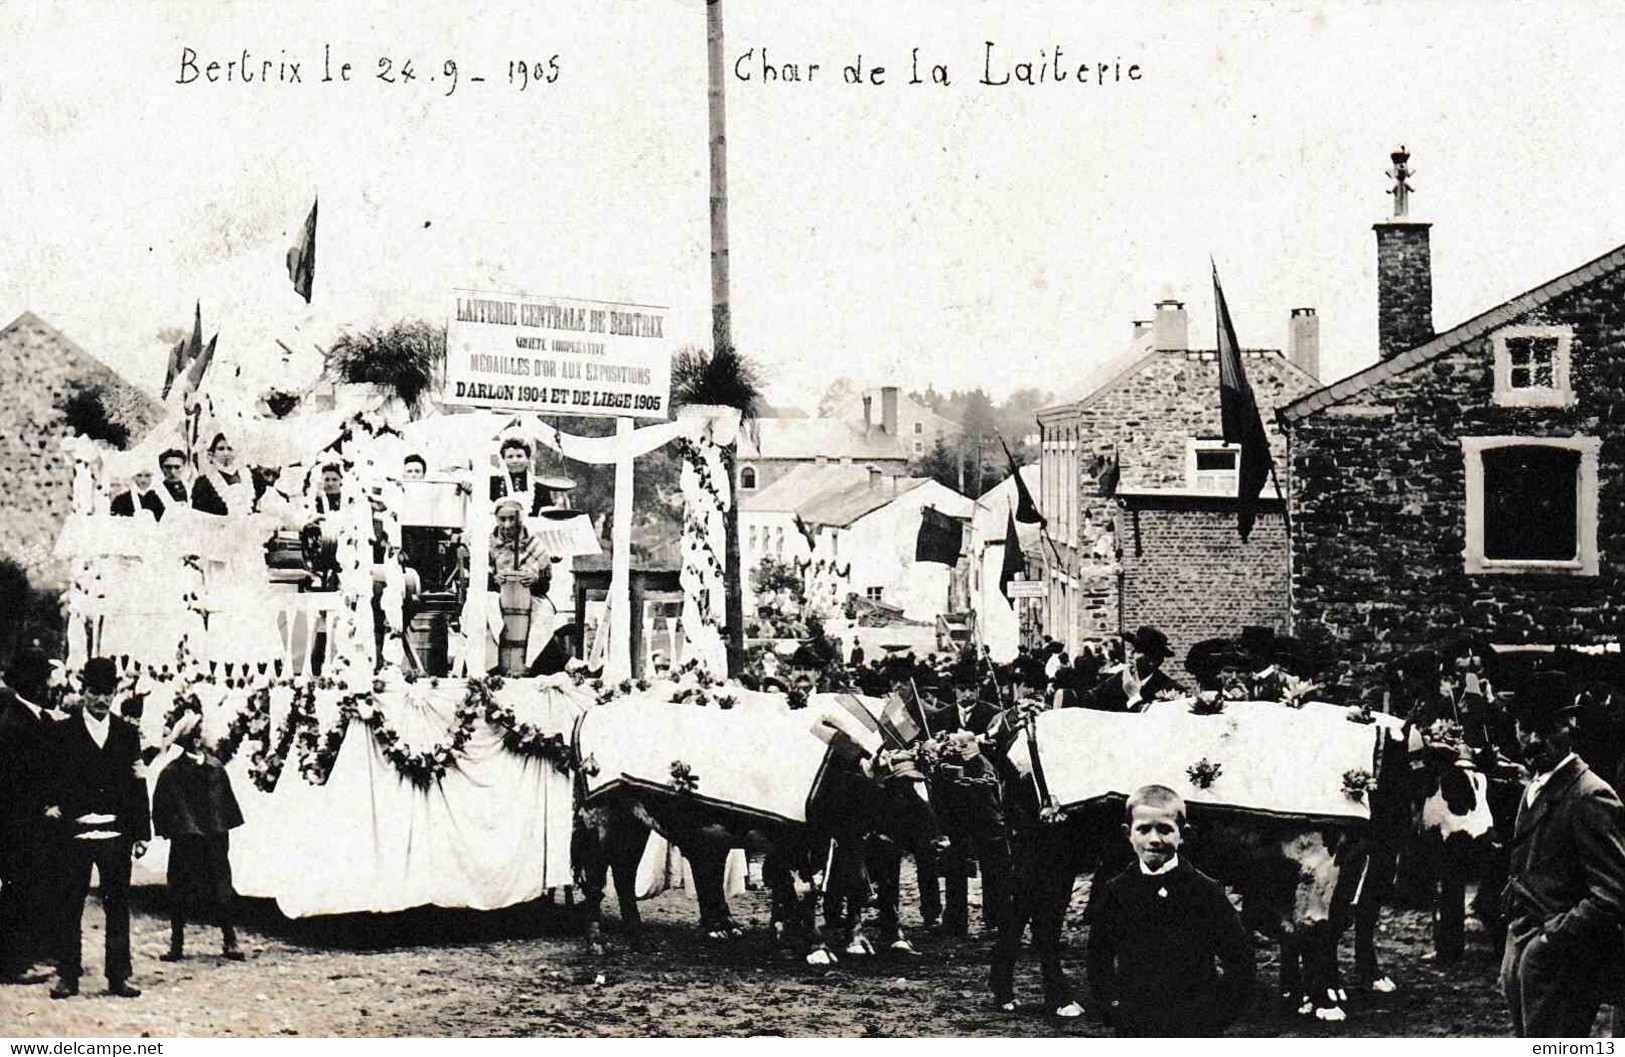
column 1565, row 902
column 194, row 807
column 98, row 803
column 967, row 799
column 173, row 465
column 24, row 770
column 1142, row 679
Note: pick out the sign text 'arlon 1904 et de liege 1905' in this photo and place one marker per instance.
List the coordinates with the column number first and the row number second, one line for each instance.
column 558, row 355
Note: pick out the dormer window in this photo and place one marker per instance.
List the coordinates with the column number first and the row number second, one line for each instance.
column 1210, row 465
column 1532, row 366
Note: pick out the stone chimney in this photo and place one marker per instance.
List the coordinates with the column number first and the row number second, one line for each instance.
column 888, row 410
column 868, row 412
column 1173, row 326
column 1142, row 327
column 1303, row 340
column 874, row 475
column 1404, row 270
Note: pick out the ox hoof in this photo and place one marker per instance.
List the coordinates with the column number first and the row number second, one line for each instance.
column 1069, row 1011
column 1331, row 1015
column 1383, row 986
column 1306, row 1006
column 821, row 958
column 903, row 947
column 860, row 946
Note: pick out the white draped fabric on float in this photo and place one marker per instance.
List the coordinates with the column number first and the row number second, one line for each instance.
column 491, row 833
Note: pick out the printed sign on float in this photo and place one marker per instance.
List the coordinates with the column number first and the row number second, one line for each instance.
column 558, row 355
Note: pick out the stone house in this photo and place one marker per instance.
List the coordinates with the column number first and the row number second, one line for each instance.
column 917, row 426
column 1162, row 548
column 867, row 436
column 40, row 368
column 1471, row 481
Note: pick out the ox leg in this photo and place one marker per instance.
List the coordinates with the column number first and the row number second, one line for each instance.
column 589, row 854
column 709, row 862
column 626, row 845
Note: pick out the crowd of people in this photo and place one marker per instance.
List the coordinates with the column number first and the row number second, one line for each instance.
column 1166, row 950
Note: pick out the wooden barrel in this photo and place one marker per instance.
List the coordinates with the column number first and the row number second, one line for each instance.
column 514, row 598
column 428, row 635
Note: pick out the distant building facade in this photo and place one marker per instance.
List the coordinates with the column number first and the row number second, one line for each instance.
column 1138, row 489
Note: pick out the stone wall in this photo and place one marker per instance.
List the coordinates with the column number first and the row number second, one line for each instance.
column 1187, row 572
column 39, row 368
column 1379, row 503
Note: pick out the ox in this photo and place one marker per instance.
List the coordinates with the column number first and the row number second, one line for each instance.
column 790, row 809
column 1298, row 865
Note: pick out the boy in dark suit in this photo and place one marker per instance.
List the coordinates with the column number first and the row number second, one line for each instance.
column 98, row 802
column 1168, row 955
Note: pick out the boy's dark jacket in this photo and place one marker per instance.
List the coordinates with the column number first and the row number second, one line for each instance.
column 1153, row 959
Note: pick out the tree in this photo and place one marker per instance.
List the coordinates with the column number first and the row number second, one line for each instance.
column 941, row 464
column 724, row 377
column 403, row 361
column 86, row 409
column 28, row 614
column 840, row 392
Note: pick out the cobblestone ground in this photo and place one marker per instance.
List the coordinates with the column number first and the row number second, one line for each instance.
column 525, row 972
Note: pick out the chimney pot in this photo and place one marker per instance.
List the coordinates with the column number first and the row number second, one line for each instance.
column 874, row 475
column 1172, row 326
column 1141, row 327
column 868, row 411
column 1404, row 271
column 1303, row 340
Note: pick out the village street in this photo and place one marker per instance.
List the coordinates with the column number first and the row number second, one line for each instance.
column 523, row 972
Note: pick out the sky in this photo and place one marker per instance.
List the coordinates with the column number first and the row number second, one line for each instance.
column 959, row 235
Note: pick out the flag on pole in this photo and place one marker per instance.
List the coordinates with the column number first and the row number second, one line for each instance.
column 1015, row 562
column 1238, row 410
column 940, row 538
column 173, row 368
column 807, row 533
column 1026, row 510
column 302, row 257
column 897, row 722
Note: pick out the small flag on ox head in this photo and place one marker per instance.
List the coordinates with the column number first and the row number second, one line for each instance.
column 847, row 728
column 897, row 722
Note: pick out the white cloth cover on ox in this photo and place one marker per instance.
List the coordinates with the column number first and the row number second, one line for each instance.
column 495, row 831
column 759, row 757
column 1272, row 758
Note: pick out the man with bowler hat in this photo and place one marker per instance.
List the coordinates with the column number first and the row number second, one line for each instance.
column 1565, row 902
column 25, row 722
column 1141, row 680
column 98, row 803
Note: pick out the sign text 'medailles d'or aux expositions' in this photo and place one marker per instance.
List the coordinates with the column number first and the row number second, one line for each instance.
column 558, row 355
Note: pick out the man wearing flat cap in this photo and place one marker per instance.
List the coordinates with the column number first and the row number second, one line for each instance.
column 1565, row 902
column 98, row 803
column 1142, row 679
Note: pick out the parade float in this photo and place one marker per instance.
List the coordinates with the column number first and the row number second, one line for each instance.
column 388, row 745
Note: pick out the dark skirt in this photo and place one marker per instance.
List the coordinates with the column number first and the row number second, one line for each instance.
column 200, row 874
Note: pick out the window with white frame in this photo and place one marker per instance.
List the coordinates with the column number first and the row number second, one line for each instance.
column 778, row 540
column 1531, row 504
column 919, row 447
column 1211, row 465
column 873, row 594
column 1532, row 366
column 747, row 479
column 753, row 539
column 919, row 427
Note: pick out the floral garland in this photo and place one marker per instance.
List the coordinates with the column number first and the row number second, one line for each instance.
column 526, row 739
column 426, row 767
column 265, row 766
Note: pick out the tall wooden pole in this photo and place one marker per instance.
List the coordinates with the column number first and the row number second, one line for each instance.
column 722, row 324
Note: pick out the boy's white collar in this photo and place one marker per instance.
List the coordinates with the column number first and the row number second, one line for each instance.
column 1168, row 867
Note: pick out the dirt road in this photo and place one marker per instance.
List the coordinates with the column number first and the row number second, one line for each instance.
column 524, row 972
